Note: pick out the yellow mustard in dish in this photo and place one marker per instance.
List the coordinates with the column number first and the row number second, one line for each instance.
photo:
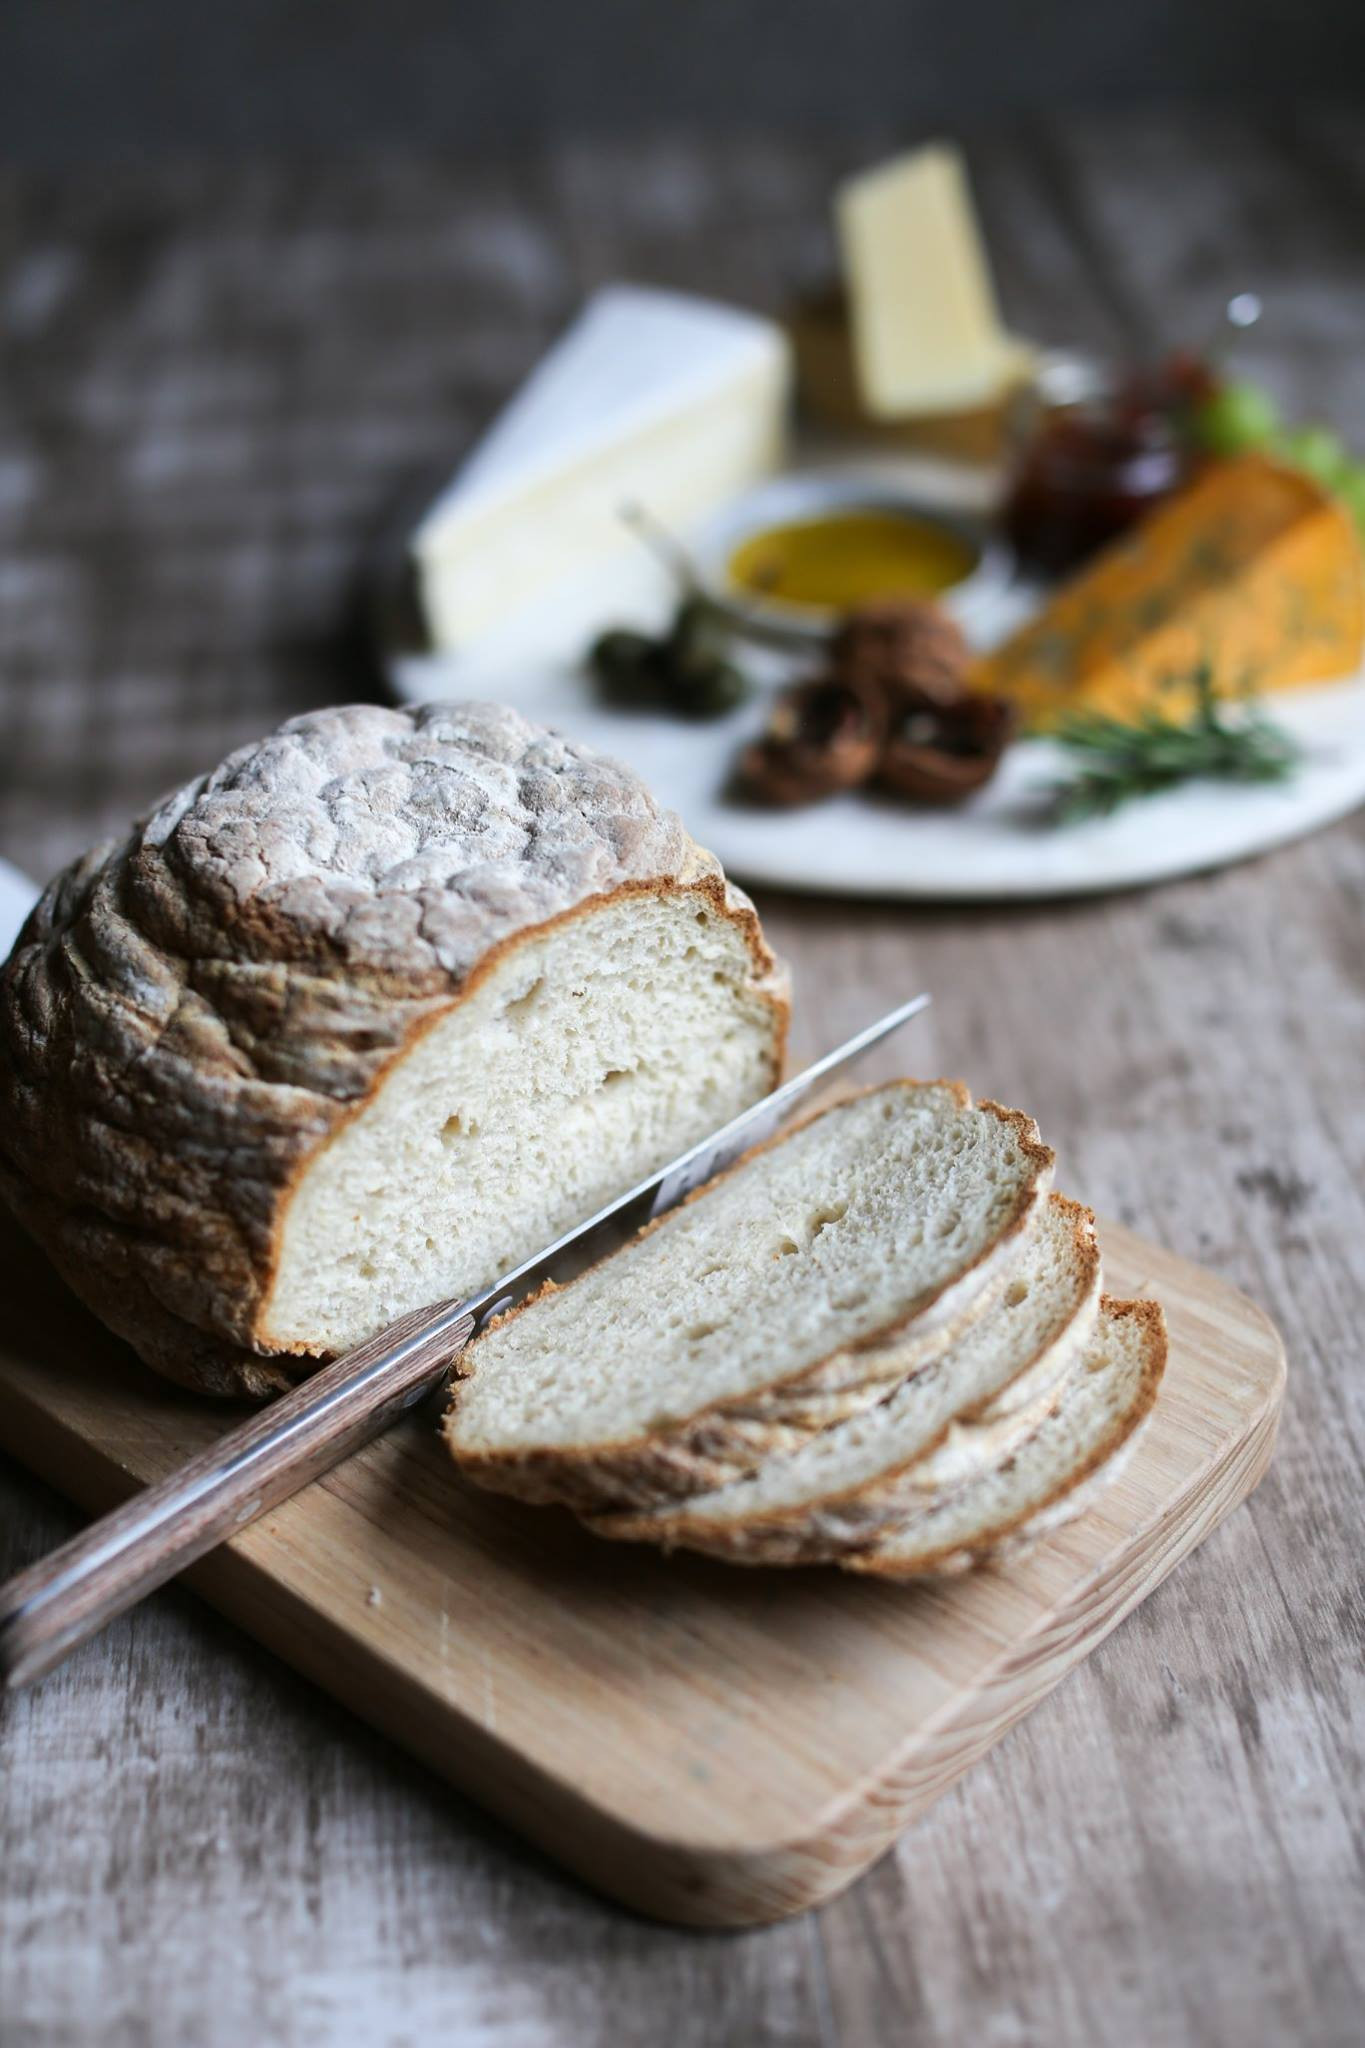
column 850, row 558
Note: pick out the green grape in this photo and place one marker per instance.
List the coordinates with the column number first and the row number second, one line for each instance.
column 1317, row 451
column 1350, row 487
column 1236, row 419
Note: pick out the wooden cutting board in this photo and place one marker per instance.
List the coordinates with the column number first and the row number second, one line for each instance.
column 709, row 1745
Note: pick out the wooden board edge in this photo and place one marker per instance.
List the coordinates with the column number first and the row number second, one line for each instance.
column 758, row 1888
column 793, row 1877
column 657, row 1878
column 547, row 1812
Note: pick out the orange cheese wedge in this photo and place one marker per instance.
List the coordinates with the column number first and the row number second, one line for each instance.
column 1253, row 569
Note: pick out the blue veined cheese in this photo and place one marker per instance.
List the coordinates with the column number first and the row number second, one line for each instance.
column 652, row 397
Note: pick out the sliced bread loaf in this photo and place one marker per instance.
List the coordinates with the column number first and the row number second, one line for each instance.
column 1079, row 1450
column 788, row 1293
column 359, row 1021
column 944, row 1424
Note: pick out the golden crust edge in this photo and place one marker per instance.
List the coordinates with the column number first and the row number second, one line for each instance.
column 592, row 1481
column 732, row 1539
column 964, row 1556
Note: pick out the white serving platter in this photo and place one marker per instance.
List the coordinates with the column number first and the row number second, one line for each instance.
column 1000, row 846
column 17, row 897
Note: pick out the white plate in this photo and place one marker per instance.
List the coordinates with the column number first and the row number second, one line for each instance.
column 996, row 847
column 17, row 897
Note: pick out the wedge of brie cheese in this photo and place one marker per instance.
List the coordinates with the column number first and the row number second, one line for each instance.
column 927, row 336
column 651, row 397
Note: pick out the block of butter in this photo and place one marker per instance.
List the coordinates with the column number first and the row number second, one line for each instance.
column 927, row 336
column 651, row 397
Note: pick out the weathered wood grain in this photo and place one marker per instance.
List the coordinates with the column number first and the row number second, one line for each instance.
column 723, row 1747
column 215, row 389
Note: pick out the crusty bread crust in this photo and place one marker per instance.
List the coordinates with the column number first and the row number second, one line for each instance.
column 1074, row 1492
column 192, row 1013
column 727, row 1439
column 846, row 1519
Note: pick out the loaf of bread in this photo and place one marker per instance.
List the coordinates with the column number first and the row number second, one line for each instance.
column 792, row 1292
column 359, row 1021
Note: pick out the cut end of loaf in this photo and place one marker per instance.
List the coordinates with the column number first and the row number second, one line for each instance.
column 584, row 1058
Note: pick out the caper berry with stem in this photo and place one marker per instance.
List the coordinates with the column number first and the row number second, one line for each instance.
column 628, row 667
column 706, row 689
column 620, row 651
column 686, row 672
column 699, row 632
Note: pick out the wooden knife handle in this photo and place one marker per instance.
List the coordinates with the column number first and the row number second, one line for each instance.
column 59, row 1602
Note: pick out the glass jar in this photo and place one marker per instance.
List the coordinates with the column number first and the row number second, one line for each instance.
column 1095, row 451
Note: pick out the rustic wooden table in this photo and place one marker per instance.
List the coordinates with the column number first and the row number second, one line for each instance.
column 219, row 388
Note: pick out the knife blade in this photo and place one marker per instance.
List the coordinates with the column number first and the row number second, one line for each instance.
column 59, row 1602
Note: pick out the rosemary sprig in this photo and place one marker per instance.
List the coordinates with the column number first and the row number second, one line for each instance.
column 1121, row 760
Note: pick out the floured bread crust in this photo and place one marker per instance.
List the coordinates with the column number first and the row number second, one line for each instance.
column 193, row 1011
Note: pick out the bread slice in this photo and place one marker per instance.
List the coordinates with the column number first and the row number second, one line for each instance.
column 1078, row 1451
column 944, row 1424
column 357, row 1022
column 792, row 1291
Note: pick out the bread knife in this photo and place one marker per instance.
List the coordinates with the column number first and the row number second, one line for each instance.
column 62, row 1600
